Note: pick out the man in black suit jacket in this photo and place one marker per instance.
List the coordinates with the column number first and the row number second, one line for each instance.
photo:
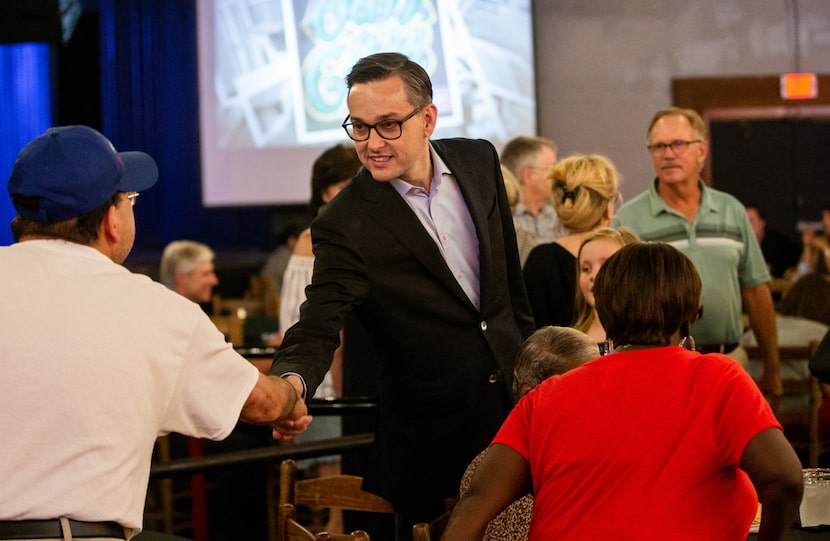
column 421, row 248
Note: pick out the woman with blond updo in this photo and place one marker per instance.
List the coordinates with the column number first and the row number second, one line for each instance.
column 584, row 190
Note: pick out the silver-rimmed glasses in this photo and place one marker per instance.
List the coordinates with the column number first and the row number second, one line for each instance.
column 678, row 147
column 131, row 197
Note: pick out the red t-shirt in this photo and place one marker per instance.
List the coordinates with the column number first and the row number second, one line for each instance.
column 642, row 445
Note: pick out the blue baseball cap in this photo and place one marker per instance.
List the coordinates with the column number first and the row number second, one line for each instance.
column 71, row 170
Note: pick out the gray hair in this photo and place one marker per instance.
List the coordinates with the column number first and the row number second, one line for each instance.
column 695, row 120
column 550, row 351
column 522, row 150
column 182, row 256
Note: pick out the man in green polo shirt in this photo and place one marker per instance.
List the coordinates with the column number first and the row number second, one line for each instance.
column 712, row 229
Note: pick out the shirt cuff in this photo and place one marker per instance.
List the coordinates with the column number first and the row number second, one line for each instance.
column 302, row 380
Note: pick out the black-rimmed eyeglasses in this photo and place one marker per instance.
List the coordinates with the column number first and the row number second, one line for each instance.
column 386, row 129
column 678, row 147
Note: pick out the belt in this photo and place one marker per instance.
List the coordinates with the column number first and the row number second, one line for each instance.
column 717, row 348
column 46, row 529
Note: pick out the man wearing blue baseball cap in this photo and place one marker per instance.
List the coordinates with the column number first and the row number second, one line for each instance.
column 97, row 362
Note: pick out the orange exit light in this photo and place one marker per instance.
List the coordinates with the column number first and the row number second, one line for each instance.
column 799, row 86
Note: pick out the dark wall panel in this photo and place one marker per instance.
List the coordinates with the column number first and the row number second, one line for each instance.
column 779, row 164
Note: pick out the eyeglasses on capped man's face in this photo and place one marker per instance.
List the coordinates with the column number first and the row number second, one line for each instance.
column 131, row 197
column 386, row 129
column 678, row 147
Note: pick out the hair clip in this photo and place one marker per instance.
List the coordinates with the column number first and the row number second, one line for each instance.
column 569, row 194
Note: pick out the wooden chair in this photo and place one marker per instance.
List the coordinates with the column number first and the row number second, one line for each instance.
column 232, row 327
column 231, row 314
column 291, row 530
column 778, row 287
column 801, row 401
column 422, row 532
column 261, row 288
column 242, row 307
column 339, row 491
column 297, row 532
column 171, row 503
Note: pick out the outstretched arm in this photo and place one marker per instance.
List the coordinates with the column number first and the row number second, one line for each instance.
column 275, row 401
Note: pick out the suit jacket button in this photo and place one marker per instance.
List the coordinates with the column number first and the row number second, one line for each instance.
column 483, row 325
column 493, row 378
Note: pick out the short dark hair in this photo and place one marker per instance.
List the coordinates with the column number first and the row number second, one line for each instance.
column 645, row 292
column 334, row 165
column 292, row 230
column 82, row 229
column 381, row 66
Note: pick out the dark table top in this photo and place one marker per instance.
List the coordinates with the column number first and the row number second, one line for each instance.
column 799, row 534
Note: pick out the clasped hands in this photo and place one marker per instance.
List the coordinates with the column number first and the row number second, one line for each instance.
column 297, row 419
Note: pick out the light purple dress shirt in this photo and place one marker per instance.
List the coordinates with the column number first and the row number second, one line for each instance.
column 445, row 216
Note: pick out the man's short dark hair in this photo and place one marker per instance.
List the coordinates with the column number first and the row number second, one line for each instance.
column 81, row 230
column 381, row 66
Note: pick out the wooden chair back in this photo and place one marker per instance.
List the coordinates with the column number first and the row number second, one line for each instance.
column 232, row 327
column 421, row 532
column 292, row 530
column 164, row 510
column 242, row 307
column 339, row 491
column 261, row 288
column 799, row 416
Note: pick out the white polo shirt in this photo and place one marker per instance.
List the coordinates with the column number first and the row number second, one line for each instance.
column 95, row 363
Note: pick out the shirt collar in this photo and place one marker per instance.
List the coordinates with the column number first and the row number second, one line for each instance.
column 65, row 247
column 439, row 169
column 522, row 210
column 657, row 204
column 547, row 211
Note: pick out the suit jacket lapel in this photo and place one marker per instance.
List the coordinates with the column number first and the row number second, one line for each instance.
column 391, row 212
column 469, row 183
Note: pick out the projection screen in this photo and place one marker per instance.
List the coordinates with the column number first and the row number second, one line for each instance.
column 272, row 91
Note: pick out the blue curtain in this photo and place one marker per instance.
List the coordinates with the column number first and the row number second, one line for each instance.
column 150, row 103
column 25, row 111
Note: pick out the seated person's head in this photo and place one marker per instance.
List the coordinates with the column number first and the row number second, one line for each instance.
column 647, row 293
column 187, row 268
column 550, row 351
